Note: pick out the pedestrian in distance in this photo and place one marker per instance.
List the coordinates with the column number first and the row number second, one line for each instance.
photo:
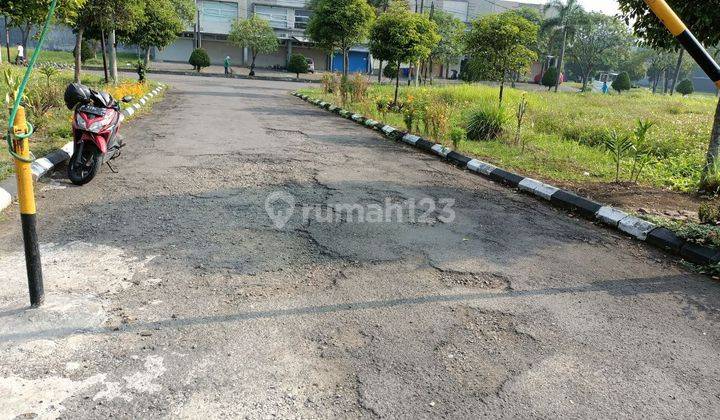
column 20, row 59
column 605, row 88
column 228, row 70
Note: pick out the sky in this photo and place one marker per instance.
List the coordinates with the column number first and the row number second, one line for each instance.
column 609, row 7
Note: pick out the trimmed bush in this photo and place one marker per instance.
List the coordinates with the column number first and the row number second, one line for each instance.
column 87, row 51
column 622, row 82
column 685, row 87
column 199, row 59
column 390, row 70
column 486, row 123
column 298, row 64
column 549, row 79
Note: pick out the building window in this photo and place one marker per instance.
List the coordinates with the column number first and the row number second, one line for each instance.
column 216, row 17
column 277, row 17
column 302, row 17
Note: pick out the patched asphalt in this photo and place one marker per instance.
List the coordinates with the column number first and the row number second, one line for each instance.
column 172, row 293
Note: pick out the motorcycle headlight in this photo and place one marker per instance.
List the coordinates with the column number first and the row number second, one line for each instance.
column 99, row 125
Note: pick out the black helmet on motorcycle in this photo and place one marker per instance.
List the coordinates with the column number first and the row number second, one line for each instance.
column 76, row 93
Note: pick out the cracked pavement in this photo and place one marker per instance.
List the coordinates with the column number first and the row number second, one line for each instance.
column 172, row 294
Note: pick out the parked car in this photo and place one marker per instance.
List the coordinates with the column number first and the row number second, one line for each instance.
column 311, row 65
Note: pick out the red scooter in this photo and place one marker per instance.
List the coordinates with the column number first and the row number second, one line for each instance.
column 96, row 122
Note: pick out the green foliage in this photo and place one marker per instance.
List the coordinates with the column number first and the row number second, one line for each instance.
column 598, row 42
column 709, row 213
column 519, row 117
column 298, row 64
column 622, row 82
column 457, row 136
column 452, row 32
column 550, row 77
column 685, row 87
column 700, row 15
column 87, row 51
column 48, row 71
column 642, row 149
column 160, row 23
column 401, row 36
column 499, row 45
column 710, row 181
column 256, row 34
column 390, row 70
column 358, row 87
column 619, row 146
column 486, row 122
column 199, row 59
column 340, row 24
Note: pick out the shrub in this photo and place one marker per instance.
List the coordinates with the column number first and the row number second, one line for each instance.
column 622, row 82
column 437, row 120
column 457, row 136
column 710, row 182
column 549, row 79
column 298, row 64
column 199, row 59
column 87, row 51
column 619, row 147
column 390, row 70
column 330, row 83
column 709, row 213
column 358, row 86
column 486, row 123
column 685, row 87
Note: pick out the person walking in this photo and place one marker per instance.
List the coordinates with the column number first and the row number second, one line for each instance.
column 228, row 71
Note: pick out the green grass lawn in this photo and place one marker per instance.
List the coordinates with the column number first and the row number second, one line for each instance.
column 53, row 127
column 564, row 131
column 66, row 57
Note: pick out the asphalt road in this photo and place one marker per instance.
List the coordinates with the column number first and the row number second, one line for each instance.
column 171, row 292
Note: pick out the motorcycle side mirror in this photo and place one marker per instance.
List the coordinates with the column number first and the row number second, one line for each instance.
column 127, row 99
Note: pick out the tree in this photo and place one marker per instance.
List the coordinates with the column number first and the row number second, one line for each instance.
column 160, row 25
column 339, row 25
column 199, row 59
column 550, row 78
column 401, row 36
column 622, row 82
column 298, row 64
column 658, row 64
column 635, row 63
column 499, row 45
column 451, row 31
column 685, row 87
column 597, row 39
column 566, row 17
column 256, row 34
column 702, row 17
column 25, row 14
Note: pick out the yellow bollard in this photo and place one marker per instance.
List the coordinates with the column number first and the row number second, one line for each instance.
column 26, row 197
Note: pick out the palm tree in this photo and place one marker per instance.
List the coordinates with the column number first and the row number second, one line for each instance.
column 567, row 15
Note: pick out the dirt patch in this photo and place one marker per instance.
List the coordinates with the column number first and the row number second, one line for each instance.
column 641, row 199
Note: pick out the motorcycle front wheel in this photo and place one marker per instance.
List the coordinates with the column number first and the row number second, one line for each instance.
column 84, row 164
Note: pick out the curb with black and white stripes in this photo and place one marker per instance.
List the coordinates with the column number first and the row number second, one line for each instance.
column 640, row 229
column 41, row 167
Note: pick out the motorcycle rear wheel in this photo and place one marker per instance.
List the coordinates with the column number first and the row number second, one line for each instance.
column 84, row 164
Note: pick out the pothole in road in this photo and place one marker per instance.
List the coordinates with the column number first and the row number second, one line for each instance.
column 495, row 281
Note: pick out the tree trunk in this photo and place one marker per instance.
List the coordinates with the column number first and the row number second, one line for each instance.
column 346, row 61
column 397, row 83
column 147, row 56
column 26, row 36
column 584, row 82
column 714, row 147
column 561, row 60
column 502, row 89
column 677, row 71
column 113, row 57
column 430, row 66
column 447, row 70
column 7, row 39
column 380, row 72
column 104, row 54
column 417, row 74
column 656, row 80
column 78, row 54
column 252, row 63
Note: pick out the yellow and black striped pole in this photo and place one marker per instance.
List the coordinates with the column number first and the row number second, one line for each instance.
column 26, row 197
column 686, row 38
